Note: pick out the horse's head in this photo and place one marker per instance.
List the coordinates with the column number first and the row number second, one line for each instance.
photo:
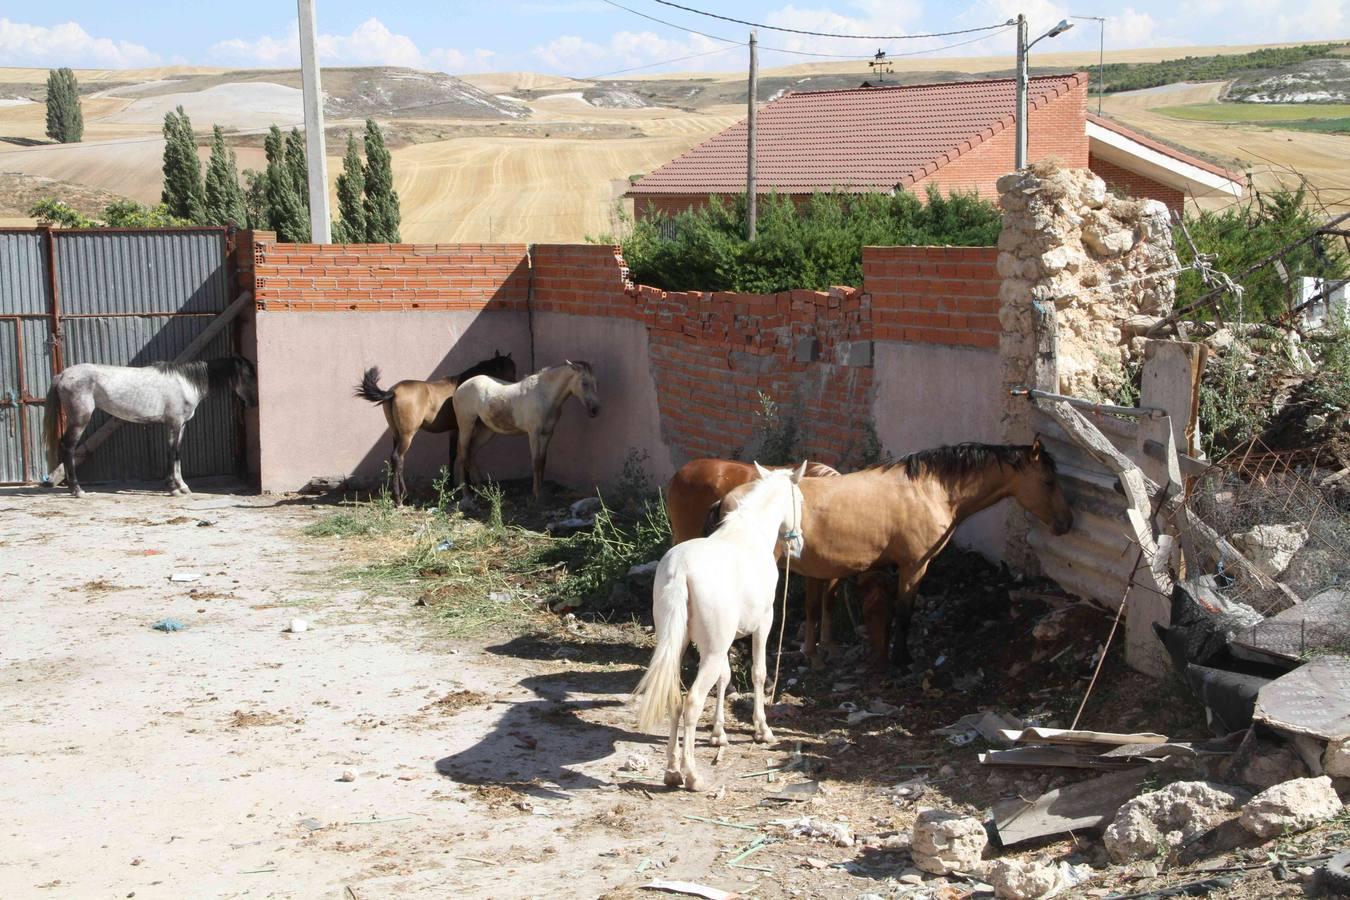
column 790, row 529
column 501, row 366
column 583, row 387
column 245, row 381
column 1035, row 485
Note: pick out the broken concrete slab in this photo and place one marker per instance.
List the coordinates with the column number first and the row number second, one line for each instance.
column 1320, row 624
column 1270, row 547
column 1312, row 700
column 1068, row 736
column 943, row 842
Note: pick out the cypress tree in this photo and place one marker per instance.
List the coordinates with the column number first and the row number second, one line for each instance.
column 286, row 213
column 65, row 120
column 381, row 203
column 224, row 199
column 297, row 166
column 350, row 227
column 182, row 192
column 255, row 199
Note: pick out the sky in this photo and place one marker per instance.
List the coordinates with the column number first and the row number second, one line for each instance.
column 594, row 37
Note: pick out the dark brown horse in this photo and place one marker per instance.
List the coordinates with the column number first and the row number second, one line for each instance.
column 412, row 406
column 696, row 490
column 905, row 513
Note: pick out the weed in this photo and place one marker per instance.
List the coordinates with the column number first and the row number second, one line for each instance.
column 597, row 559
column 779, row 443
column 1233, row 392
column 377, row 516
column 492, row 494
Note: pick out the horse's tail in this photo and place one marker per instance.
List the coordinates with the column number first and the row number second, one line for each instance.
column 369, row 388
column 53, row 423
column 658, row 693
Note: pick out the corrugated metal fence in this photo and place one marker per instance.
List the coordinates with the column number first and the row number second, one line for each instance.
column 118, row 297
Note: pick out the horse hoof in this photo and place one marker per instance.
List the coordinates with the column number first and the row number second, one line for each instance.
column 77, row 493
column 764, row 737
column 673, row 778
column 696, row 782
column 817, row 664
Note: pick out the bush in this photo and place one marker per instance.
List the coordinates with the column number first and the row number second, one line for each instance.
column 1243, row 235
column 816, row 246
column 1132, row 76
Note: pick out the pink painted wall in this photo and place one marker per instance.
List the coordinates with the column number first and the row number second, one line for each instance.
column 310, row 424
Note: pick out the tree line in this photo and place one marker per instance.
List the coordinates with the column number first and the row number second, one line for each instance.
column 1135, row 76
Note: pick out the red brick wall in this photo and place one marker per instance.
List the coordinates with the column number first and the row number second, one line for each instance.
column 934, row 295
column 388, row 276
column 1136, row 185
column 712, row 353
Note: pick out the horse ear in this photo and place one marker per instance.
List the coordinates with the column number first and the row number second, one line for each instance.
column 801, row 471
column 763, row 472
column 1034, row 454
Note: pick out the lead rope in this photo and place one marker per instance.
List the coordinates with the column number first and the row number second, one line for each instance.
column 794, row 534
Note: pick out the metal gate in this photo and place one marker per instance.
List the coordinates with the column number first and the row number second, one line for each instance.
column 119, row 297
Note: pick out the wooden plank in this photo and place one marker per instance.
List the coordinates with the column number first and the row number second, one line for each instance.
column 1074, row 807
column 1056, row 758
column 198, row 344
column 1045, row 364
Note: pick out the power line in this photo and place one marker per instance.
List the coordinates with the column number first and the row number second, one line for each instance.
column 828, row 34
column 727, row 40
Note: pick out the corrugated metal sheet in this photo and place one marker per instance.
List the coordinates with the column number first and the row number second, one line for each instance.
column 24, row 288
column 141, row 451
column 153, row 271
column 1096, row 559
column 37, row 355
column 37, row 452
column 11, row 410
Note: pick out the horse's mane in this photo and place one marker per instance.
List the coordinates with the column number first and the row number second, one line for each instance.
column 959, row 460
column 499, row 366
column 756, row 487
column 195, row 373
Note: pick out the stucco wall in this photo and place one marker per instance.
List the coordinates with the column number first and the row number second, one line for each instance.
column 587, row 452
column 928, row 395
column 309, row 424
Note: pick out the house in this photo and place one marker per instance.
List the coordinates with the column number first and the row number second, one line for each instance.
column 957, row 135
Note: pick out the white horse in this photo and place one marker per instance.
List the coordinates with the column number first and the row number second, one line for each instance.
column 160, row 392
column 713, row 590
column 485, row 406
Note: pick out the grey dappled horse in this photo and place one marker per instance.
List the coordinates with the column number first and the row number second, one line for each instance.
column 168, row 393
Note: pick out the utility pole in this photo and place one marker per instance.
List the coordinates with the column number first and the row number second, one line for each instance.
column 1023, row 46
column 1101, row 56
column 1020, row 156
column 750, row 197
column 320, row 223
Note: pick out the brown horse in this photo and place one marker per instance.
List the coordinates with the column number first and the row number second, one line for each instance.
column 412, row 406
column 691, row 499
column 904, row 513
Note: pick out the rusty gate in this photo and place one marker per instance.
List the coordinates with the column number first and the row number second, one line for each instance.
column 114, row 296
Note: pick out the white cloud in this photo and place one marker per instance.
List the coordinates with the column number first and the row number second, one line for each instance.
column 625, row 49
column 370, row 44
column 67, row 44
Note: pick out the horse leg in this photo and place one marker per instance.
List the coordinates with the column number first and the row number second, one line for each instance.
column 719, row 729
column 904, row 612
column 878, row 609
column 401, row 444
column 828, row 648
column 177, row 486
column 461, row 469
column 760, row 671
column 814, row 589
column 77, row 422
column 674, row 778
column 709, row 670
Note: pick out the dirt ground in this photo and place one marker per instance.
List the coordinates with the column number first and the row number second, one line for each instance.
column 371, row 756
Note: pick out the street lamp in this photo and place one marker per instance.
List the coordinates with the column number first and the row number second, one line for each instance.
column 1022, row 48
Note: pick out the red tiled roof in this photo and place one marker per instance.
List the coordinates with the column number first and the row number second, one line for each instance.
column 1113, row 125
column 859, row 139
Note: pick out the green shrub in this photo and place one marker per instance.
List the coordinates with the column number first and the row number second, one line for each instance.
column 815, row 246
column 1243, row 235
column 1133, row 76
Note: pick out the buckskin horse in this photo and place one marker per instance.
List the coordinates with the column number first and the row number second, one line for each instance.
column 711, row 591
column 413, row 406
column 167, row 393
column 486, row 406
column 694, row 492
column 905, row 513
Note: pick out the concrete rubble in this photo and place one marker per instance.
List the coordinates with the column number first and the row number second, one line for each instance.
column 1271, row 547
column 943, row 842
column 1154, row 824
column 1291, row 807
column 1034, row 879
